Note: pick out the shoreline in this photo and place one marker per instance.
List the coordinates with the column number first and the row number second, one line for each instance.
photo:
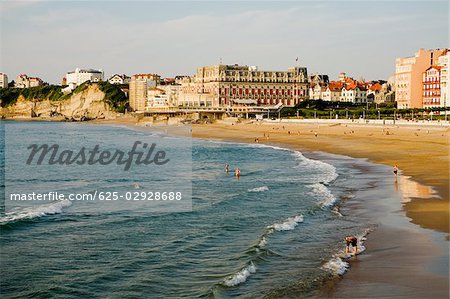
column 363, row 143
column 403, row 258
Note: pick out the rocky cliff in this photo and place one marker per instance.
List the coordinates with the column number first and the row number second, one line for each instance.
column 87, row 104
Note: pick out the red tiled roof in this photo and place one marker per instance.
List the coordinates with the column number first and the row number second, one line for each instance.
column 375, row 87
column 335, row 86
column 434, row 67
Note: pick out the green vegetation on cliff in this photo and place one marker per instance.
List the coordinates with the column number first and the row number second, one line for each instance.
column 114, row 96
column 9, row 96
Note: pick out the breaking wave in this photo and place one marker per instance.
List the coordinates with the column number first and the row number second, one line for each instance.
column 241, row 276
column 327, row 198
column 259, row 189
column 34, row 212
column 337, row 265
column 289, row 224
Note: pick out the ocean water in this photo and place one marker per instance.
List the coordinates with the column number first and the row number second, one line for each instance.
column 276, row 232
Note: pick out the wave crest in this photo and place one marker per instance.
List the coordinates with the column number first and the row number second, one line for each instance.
column 35, row 212
column 336, row 266
column 327, row 198
column 289, row 224
column 259, row 189
column 240, row 276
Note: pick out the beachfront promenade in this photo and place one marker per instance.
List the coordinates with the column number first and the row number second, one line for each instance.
column 379, row 122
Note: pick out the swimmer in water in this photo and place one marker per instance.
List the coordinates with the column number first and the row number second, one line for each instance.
column 351, row 240
column 227, row 168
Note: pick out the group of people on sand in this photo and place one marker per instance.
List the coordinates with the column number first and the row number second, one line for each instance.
column 237, row 172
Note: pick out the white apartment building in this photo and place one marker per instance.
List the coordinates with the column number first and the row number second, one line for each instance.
column 3, row 80
column 119, row 79
column 443, row 62
column 79, row 76
column 23, row 81
column 353, row 93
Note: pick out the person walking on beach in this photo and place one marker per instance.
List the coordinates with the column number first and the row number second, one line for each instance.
column 395, row 170
column 351, row 240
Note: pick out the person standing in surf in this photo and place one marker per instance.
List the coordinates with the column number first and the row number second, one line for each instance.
column 353, row 241
column 395, row 170
column 227, row 168
column 238, row 173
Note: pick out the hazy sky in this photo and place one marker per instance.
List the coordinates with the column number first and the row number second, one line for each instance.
column 362, row 38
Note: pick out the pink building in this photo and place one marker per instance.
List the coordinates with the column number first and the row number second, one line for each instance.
column 408, row 77
column 431, row 87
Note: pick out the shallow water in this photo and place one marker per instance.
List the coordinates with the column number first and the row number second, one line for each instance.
column 275, row 231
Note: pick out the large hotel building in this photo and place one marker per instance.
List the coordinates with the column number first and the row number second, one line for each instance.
column 229, row 85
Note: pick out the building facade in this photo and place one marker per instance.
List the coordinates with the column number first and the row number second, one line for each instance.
column 332, row 92
column 3, row 80
column 119, row 79
column 79, row 76
column 316, row 91
column 23, row 81
column 443, row 63
column 409, row 75
column 354, row 93
column 228, row 85
column 431, row 87
column 139, row 89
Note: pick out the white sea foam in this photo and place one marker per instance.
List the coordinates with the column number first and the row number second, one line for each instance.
column 35, row 212
column 327, row 171
column 240, row 276
column 336, row 266
column 259, row 189
column 327, row 198
column 289, row 224
column 262, row 243
column 336, row 211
